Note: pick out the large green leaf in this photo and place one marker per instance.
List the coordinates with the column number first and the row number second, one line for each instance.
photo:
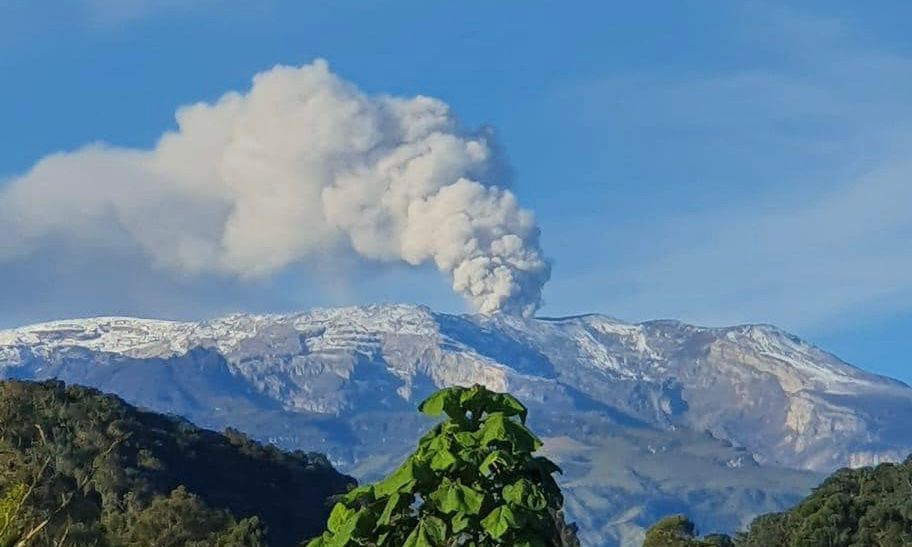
column 459, row 522
column 319, row 541
column 432, row 434
column 499, row 428
column 360, row 493
column 339, row 514
column 525, row 493
column 444, row 401
column 443, row 460
column 430, row 532
column 400, row 480
column 355, row 526
column 440, row 442
column 481, row 400
column 437, row 451
column 495, row 461
column 509, row 405
column 395, row 502
column 466, row 439
column 454, row 497
column 499, row 521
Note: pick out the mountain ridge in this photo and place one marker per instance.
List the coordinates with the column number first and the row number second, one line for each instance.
column 660, row 352
column 646, row 418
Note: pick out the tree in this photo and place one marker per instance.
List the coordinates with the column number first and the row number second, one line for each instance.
column 679, row 531
column 79, row 468
column 764, row 530
column 473, row 480
column 864, row 506
column 182, row 519
column 851, row 508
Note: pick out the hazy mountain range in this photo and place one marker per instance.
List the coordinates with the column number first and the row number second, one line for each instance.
column 646, row 419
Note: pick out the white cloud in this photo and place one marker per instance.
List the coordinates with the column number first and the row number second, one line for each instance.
column 821, row 231
column 303, row 167
column 800, row 264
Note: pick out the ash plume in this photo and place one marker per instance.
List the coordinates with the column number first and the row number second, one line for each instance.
column 301, row 166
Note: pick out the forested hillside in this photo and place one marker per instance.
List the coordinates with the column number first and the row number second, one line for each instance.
column 866, row 507
column 78, row 467
column 871, row 506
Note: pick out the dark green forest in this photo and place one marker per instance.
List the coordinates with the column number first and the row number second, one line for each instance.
column 80, row 468
column 865, row 507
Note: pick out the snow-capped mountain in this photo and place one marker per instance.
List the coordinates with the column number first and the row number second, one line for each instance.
column 601, row 391
column 755, row 386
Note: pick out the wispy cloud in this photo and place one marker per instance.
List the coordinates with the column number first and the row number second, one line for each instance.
column 802, row 264
column 826, row 229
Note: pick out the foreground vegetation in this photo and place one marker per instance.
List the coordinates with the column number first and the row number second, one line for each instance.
column 472, row 481
column 78, row 468
column 867, row 507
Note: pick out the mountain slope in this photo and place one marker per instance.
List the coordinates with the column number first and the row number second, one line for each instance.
column 866, row 506
column 104, row 473
column 756, row 386
column 346, row 381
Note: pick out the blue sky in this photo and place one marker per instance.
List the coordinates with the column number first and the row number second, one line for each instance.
column 717, row 162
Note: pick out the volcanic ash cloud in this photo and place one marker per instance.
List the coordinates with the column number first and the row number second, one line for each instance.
column 302, row 166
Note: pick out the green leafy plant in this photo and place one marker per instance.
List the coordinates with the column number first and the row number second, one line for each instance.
column 10, row 507
column 473, row 480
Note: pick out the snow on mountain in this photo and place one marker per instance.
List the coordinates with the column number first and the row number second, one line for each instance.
column 756, row 386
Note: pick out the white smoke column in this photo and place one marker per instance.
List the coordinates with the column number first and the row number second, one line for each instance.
column 301, row 165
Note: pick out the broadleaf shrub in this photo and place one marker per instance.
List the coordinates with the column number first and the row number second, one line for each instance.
column 473, row 480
